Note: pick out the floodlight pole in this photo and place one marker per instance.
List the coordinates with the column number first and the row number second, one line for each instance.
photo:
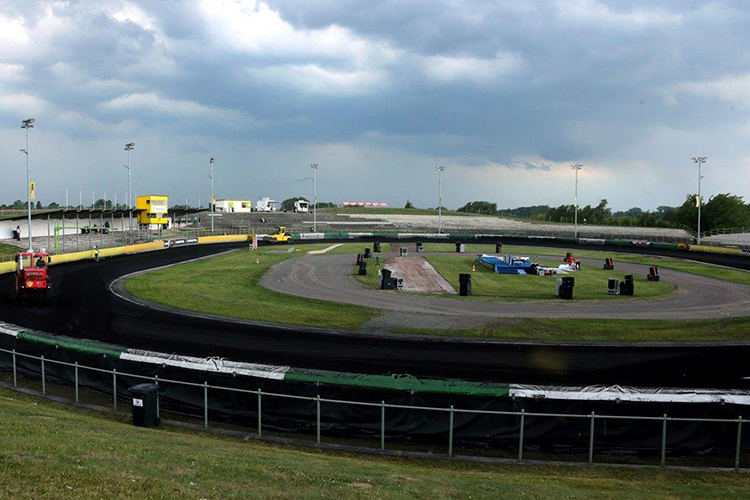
column 213, row 201
column 576, row 167
column 700, row 160
column 27, row 124
column 314, row 167
column 440, row 170
column 129, row 147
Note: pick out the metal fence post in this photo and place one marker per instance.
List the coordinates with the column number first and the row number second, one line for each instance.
column 114, row 390
column 591, row 439
column 739, row 441
column 260, row 418
column 44, row 382
column 76, row 379
column 382, row 425
column 317, row 426
column 450, row 433
column 520, row 435
column 664, row 441
column 156, row 381
column 205, row 404
column 15, row 376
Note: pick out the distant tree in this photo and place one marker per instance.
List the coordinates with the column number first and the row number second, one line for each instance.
column 409, row 204
column 288, row 204
column 724, row 211
column 18, row 204
column 325, row 204
column 479, row 207
column 687, row 213
column 53, row 205
column 38, row 205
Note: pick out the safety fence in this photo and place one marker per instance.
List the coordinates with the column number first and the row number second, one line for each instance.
column 387, row 411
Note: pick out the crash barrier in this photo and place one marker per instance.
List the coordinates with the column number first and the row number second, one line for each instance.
column 505, row 425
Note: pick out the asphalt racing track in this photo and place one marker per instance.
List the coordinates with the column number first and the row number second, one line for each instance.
column 85, row 308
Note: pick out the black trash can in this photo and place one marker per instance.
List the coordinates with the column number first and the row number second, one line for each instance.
column 626, row 285
column 460, row 248
column 464, row 281
column 145, row 402
column 376, row 247
column 498, row 248
column 565, row 287
column 363, row 268
column 368, row 253
column 359, row 258
column 386, row 282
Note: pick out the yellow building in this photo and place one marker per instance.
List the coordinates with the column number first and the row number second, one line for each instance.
column 152, row 210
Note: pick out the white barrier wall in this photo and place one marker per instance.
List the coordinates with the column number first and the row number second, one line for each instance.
column 41, row 227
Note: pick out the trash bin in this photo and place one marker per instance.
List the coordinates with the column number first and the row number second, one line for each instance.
column 460, row 248
column 608, row 264
column 626, row 285
column 363, row 268
column 386, row 281
column 403, row 251
column 145, row 402
column 653, row 273
column 498, row 248
column 376, row 247
column 359, row 258
column 464, row 281
column 368, row 253
column 613, row 286
column 420, row 247
column 565, row 287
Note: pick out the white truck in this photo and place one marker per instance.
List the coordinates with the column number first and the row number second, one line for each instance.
column 301, row 206
column 266, row 205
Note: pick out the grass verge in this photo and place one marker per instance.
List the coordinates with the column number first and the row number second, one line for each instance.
column 53, row 451
column 229, row 285
column 603, row 330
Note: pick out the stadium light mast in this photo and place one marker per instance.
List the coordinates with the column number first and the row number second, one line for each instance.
column 27, row 124
column 213, row 201
column 314, row 167
column 129, row 147
column 700, row 160
column 576, row 167
column 440, row 171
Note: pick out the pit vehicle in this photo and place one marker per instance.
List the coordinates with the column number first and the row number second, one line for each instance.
column 281, row 236
column 301, row 207
column 32, row 280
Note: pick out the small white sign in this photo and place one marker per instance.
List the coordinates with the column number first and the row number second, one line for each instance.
column 137, row 402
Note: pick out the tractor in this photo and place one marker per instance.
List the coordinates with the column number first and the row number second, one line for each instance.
column 32, row 281
column 281, row 236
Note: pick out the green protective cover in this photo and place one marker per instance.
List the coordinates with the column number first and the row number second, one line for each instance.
column 397, row 383
column 85, row 346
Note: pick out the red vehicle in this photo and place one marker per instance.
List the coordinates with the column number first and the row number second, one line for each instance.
column 32, row 280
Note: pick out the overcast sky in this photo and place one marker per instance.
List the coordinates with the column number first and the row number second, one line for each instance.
column 505, row 94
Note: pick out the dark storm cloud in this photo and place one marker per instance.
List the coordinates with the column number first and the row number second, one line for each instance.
column 526, row 86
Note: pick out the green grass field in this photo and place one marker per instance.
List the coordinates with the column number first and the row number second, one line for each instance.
column 54, row 451
column 228, row 285
column 8, row 249
column 711, row 271
column 590, row 282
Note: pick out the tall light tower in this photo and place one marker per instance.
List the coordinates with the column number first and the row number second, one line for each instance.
column 213, row 201
column 27, row 124
column 314, row 167
column 576, row 167
column 700, row 160
column 129, row 147
column 440, row 170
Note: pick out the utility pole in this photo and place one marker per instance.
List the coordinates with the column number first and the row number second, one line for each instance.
column 27, row 124
column 576, row 167
column 440, row 198
column 213, row 200
column 129, row 147
column 700, row 160
column 314, row 167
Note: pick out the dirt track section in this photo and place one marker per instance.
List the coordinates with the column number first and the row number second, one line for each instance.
column 86, row 309
column 418, row 275
column 330, row 278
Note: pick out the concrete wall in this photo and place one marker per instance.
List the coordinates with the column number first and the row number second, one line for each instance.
column 40, row 227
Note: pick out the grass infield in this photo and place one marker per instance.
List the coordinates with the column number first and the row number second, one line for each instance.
column 53, row 451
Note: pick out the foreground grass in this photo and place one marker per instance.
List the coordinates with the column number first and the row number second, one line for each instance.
column 590, row 282
column 52, row 451
column 229, row 285
column 603, row 330
column 708, row 270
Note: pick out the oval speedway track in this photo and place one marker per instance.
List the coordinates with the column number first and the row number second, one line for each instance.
column 86, row 309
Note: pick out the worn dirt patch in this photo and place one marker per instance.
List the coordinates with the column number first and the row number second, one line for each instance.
column 418, row 274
